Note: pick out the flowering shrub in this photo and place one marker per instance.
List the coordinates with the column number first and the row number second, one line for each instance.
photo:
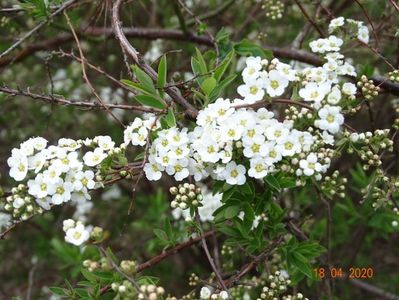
column 249, row 161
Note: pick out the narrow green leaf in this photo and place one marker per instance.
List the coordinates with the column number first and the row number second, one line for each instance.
column 221, row 87
column 151, row 101
column 208, row 85
column 162, row 73
column 201, row 61
column 145, row 80
column 221, row 69
column 299, row 261
column 161, row 234
column 136, row 86
column 170, row 118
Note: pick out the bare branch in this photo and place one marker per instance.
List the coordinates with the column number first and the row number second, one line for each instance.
column 83, row 104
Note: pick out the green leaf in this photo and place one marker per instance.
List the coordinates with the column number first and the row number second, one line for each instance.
column 58, row 291
column 170, row 118
column 162, row 73
column 145, row 80
column 137, row 86
column 161, row 234
column 231, row 212
column 208, row 85
column 221, row 87
column 272, row 182
column 201, row 61
column 151, row 101
column 300, row 262
column 221, row 69
column 88, row 275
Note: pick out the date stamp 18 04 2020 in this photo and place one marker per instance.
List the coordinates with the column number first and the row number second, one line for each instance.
column 341, row 273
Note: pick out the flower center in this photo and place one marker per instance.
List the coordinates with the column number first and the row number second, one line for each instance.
column 330, row 118
column 274, row 84
column 234, row 173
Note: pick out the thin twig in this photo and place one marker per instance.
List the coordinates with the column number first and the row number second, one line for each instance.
column 309, row 18
column 85, row 75
column 51, row 99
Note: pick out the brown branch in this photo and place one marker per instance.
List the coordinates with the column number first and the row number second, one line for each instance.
column 373, row 290
column 310, row 20
column 83, row 104
column 159, row 258
column 173, row 92
column 248, row 267
column 165, row 254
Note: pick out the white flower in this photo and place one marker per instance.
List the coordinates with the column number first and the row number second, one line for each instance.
column 349, row 89
column 275, row 84
column 251, row 71
column 52, row 174
column 290, row 145
column 84, row 179
column 69, row 144
column 223, row 295
column 327, row 138
column 140, row 137
column 179, row 169
column 334, row 96
column 259, row 168
column 314, row 92
column 38, row 143
column 104, row 142
column 318, row 46
column 39, row 187
column 36, row 162
column 335, row 23
column 286, row 71
column 18, row 164
column 363, row 34
column 205, row 293
column 153, row 170
column 330, row 119
column 77, row 235
column 93, row 158
column 63, row 190
column 334, row 43
column 310, row 165
column 234, row 174
column 252, row 91
column 66, row 224
column 67, row 162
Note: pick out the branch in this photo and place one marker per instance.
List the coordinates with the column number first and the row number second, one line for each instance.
column 373, row 290
column 173, row 92
column 248, row 267
column 160, row 257
column 61, row 101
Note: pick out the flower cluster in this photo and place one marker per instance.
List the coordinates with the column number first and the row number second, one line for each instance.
column 232, row 141
column 55, row 174
column 273, row 9
column 186, row 195
column 356, row 28
column 369, row 90
column 210, row 202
